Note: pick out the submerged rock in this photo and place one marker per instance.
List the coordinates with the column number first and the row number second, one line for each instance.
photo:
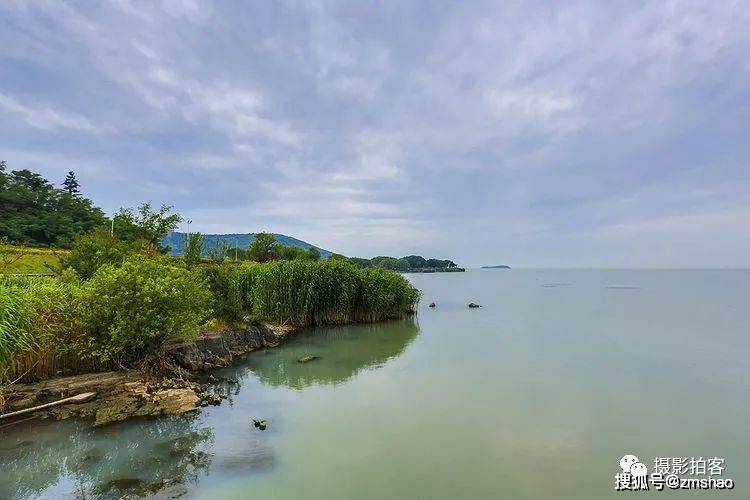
column 307, row 358
column 472, row 305
column 212, row 399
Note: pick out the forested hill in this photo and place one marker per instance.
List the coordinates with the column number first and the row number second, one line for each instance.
column 176, row 242
column 409, row 264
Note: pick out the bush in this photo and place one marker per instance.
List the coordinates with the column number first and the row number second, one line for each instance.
column 231, row 287
column 127, row 314
column 134, row 310
column 95, row 249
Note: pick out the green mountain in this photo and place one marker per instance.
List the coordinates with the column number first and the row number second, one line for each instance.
column 176, row 242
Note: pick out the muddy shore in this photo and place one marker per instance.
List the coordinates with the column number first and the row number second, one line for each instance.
column 121, row 395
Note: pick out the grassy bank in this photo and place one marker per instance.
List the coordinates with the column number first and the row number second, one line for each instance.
column 27, row 260
column 127, row 313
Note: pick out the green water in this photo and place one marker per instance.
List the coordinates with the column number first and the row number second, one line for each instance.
column 536, row 395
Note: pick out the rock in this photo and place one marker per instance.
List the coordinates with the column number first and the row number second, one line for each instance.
column 126, row 394
column 218, row 349
column 432, row 304
column 307, row 358
column 472, row 305
column 260, row 424
column 211, row 399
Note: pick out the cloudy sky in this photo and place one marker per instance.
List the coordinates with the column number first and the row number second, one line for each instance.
column 529, row 133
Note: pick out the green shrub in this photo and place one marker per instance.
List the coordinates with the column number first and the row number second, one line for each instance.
column 95, row 249
column 194, row 245
column 231, row 287
column 134, row 310
column 127, row 314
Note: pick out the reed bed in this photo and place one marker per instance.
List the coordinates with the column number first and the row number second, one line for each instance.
column 304, row 293
column 127, row 314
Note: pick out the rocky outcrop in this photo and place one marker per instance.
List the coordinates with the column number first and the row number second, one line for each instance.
column 219, row 349
column 126, row 394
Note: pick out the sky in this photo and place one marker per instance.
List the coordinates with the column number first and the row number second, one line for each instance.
column 534, row 134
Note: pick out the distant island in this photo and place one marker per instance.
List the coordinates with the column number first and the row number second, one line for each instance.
column 410, row 264
column 496, row 267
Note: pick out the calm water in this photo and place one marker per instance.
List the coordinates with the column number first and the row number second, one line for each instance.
column 536, row 395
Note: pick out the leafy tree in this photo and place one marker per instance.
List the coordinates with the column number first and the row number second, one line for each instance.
column 34, row 212
column 220, row 251
column 360, row 262
column 194, row 249
column 390, row 263
column 263, row 248
column 313, row 254
column 71, row 184
column 284, row 252
column 146, row 225
column 95, row 249
column 439, row 263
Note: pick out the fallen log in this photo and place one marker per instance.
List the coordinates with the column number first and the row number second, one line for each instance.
column 80, row 398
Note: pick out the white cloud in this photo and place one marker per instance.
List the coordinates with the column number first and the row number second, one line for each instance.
column 47, row 118
column 529, row 105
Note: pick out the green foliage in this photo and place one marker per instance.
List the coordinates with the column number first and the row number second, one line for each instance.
column 71, row 184
column 95, row 249
column 34, row 212
column 390, row 263
column 290, row 253
column 146, row 225
column 15, row 325
column 37, row 318
column 408, row 263
column 135, row 304
column 22, row 259
column 193, row 249
column 219, row 252
column 331, row 292
column 135, row 309
column 264, row 248
column 232, row 290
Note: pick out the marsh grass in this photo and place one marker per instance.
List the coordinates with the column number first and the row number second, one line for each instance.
column 304, row 293
column 127, row 314
column 38, row 317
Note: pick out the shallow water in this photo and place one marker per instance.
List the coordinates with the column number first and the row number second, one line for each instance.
column 535, row 395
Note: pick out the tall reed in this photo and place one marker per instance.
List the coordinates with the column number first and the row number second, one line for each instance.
column 305, row 293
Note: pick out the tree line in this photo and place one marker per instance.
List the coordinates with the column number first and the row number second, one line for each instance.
column 35, row 212
column 405, row 264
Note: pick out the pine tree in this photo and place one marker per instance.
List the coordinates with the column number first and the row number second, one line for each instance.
column 71, row 183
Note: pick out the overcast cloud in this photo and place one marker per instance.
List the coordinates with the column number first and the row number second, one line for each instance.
column 528, row 133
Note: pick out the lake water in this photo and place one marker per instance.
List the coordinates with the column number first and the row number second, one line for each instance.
column 536, row 395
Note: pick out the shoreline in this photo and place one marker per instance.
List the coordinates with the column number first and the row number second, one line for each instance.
column 121, row 395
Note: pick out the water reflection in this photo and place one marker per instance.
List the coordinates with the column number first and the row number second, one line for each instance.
column 166, row 456
column 342, row 352
column 63, row 459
